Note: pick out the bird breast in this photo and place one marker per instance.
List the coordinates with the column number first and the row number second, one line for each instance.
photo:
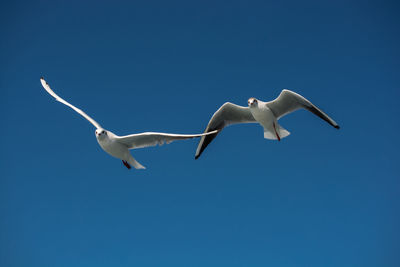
column 113, row 147
column 263, row 115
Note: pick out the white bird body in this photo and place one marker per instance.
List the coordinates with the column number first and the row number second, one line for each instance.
column 266, row 114
column 110, row 144
column 119, row 146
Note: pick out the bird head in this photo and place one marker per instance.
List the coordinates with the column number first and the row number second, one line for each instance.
column 101, row 133
column 252, row 102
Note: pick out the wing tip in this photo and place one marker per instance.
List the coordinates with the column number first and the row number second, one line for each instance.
column 43, row 81
column 199, row 149
column 337, row 126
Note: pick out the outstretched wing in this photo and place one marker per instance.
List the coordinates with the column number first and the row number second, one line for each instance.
column 152, row 139
column 51, row 92
column 226, row 115
column 289, row 101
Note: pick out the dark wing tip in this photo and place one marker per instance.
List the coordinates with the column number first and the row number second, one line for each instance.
column 207, row 140
column 323, row 116
column 201, row 151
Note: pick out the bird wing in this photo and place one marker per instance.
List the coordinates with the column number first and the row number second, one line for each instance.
column 51, row 92
column 289, row 101
column 226, row 115
column 152, row 139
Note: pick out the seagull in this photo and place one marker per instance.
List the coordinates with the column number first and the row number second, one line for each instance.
column 265, row 113
column 119, row 146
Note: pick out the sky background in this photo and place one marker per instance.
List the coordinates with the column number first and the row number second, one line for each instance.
column 320, row 197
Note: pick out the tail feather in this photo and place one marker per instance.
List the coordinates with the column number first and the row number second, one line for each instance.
column 135, row 164
column 270, row 134
column 282, row 132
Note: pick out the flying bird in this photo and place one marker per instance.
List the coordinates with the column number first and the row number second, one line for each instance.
column 265, row 113
column 119, row 146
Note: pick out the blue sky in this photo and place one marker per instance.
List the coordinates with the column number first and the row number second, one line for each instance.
column 320, row 197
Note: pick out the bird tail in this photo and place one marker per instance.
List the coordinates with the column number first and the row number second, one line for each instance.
column 135, row 164
column 282, row 132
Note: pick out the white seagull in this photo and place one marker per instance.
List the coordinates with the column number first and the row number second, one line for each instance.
column 265, row 113
column 118, row 146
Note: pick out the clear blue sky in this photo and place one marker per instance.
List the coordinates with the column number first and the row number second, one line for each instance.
column 320, row 197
